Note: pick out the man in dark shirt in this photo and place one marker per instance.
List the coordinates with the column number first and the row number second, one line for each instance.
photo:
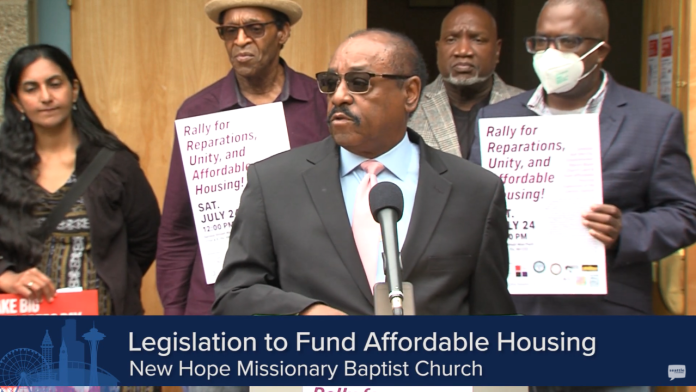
column 467, row 53
column 465, row 123
column 254, row 34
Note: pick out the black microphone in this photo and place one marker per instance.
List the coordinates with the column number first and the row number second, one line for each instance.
column 387, row 207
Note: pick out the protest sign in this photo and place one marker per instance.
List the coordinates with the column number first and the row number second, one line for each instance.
column 551, row 169
column 216, row 150
column 74, row 303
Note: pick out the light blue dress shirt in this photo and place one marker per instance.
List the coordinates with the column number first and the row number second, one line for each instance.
column 401, row 166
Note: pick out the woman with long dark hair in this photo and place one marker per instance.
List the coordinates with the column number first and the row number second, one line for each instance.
column 50, row 135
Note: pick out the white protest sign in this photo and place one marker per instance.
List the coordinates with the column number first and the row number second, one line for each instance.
column 386, row 389
column 551, row 168
column 216, row 150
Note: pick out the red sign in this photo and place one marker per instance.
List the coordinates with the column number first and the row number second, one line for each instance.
column 81, row 303
column 667, row 46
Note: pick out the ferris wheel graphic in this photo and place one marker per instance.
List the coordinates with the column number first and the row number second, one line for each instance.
column 20, row 367
column 27, row 370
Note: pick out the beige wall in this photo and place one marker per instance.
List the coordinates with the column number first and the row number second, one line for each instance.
column 13, row 31
column 138, row 61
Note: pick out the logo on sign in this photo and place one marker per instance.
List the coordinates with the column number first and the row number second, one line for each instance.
column 590, row 268
column 556, row 269
column 676, row 371
column 594, row 281
column 539, row 266
column 519, row 273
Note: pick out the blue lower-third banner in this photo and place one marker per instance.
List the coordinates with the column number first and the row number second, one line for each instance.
column 347, row 351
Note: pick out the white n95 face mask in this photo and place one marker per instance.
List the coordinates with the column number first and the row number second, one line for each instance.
column 559, row 71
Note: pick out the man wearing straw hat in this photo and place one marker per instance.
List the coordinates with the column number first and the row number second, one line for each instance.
column 254, row 32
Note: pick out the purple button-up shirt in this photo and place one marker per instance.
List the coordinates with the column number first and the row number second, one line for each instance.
column 180, row 278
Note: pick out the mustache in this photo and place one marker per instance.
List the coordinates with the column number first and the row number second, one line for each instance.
column 343, row 110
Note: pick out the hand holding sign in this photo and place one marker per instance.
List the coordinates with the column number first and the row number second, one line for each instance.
column 32, row 284
column 604, row 222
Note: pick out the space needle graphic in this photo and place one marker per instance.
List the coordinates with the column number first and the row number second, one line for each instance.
column 93, row 337
column 29, row 370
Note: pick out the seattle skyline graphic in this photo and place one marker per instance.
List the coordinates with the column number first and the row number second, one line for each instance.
column 27, row 369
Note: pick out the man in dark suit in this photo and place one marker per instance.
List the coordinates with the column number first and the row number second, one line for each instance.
column 292, row 249
column 649, row 208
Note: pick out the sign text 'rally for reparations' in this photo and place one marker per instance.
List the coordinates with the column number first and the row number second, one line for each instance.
column 217, row 164
column 505, row 143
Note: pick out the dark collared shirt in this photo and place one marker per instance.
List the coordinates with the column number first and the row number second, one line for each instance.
column 180, row 278
column 465, row 124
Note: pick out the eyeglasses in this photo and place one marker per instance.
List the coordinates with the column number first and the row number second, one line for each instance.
column 251, row 30
column 357, row 82
column 564, row 43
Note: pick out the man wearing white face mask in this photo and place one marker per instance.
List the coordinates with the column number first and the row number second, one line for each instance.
column 560, row 71
column 649, row 208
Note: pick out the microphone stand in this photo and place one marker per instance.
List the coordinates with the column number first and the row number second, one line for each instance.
column 387, row 205
column 392, row 263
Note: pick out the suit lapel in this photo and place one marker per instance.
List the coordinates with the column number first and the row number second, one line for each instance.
column 612, row 115
column 431, row 197
column 324, row 187
column 501, row 91
column 437, row 111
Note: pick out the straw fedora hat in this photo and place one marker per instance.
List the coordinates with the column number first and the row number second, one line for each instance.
column 293, row 10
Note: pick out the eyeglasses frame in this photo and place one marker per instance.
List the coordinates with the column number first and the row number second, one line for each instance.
column 243, row 27
column 555, row 41
column 369, row 83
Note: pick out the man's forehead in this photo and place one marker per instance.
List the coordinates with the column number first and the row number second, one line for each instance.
column 374, row 39
column 361, row 53
column 467, row 17
column 564, row 19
